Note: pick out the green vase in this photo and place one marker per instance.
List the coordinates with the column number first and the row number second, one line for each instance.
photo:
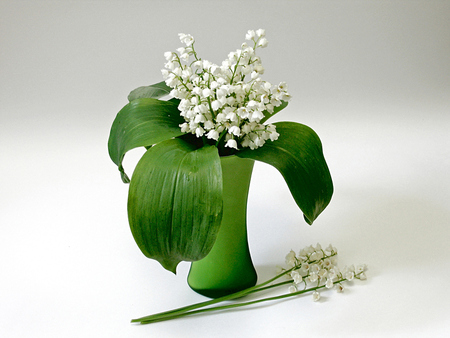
column 228, row 267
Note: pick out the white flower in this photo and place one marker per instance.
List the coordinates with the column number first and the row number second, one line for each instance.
column 248, row 143
column 259, row 142
column 244, row 113
column 296, row 277
column 329, row 283
column 292, row 289
column 206, row 64
column 207, row 92
column 349, row 275
column 232, row 116
column 290, row 258
column 332, row 273
column 169, row 56
column 195, row 101
column 261, row 32
column 215, row 105
column 329, row 250
column 199, row 118
column 309, row 249
column 187, row 39
column 246, row 128
column 285, row 97
column 184, row 56
column 214, row 85
column 326, row 263
column 323, row 273
column 256, row 116
column 172, row 80
column 221, row 117
column 340, row 288
column 303, row 272
column 283, row 87
column 250, row 35
column 360, row 268
column 259, row 69
column 199, row 131
column 252, row 104
column 314, row 268
column 213, row 134
column 313, row 277
column 165, row 73
column 222, row 91
column 197, row 91
column 184, row 127
column 209, row 125
column 305, row 266
column 263, row 43
column 235, row 130
column 319, row 254
column 231, row 143
column 316, row 296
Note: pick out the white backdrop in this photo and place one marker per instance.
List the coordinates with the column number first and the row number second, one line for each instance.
column 372, row 78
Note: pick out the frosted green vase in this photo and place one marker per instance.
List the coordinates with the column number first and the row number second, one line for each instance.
column 228, row 267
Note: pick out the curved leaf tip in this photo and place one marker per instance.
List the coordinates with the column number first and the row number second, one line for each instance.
column 169, row 264
column 123, row 175
column 154, row 91
column 298, row 156
column 142, row 123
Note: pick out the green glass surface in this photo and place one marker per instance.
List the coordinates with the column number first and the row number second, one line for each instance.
column 228, row 267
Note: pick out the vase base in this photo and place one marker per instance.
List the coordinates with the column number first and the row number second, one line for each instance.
column 220, row 292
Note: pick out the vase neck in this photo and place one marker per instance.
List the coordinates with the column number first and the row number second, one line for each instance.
column 236, row 176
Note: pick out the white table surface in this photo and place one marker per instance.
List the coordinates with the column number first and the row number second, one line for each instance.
column 372, row 78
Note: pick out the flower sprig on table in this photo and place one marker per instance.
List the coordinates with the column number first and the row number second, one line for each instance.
column 311, row 270
column 317, row 267
column 227, row 100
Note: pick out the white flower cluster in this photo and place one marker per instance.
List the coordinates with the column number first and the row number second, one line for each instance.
column 318, row 267
column 227, row 100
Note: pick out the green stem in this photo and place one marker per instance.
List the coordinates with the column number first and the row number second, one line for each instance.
column 235, row 68
column 157, row 318
column 232, row 296
column 210, row 108
column 224, row 132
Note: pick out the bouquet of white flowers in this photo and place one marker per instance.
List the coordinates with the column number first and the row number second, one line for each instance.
column 197, row 141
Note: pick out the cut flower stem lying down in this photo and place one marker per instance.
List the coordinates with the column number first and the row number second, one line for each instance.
column 313, row 266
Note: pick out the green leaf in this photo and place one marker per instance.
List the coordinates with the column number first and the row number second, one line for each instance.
column 154, row 91
column 298, row 156
column 175, row 202
column 142, row 123
column 268, row 115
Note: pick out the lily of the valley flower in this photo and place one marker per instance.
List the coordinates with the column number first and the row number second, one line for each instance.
column 228, row 99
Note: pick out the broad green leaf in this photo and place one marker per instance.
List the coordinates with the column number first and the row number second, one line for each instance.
column 142, row 123
column 154, row 91
column 175, row 202
column 268, row 115
column 298, row 156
